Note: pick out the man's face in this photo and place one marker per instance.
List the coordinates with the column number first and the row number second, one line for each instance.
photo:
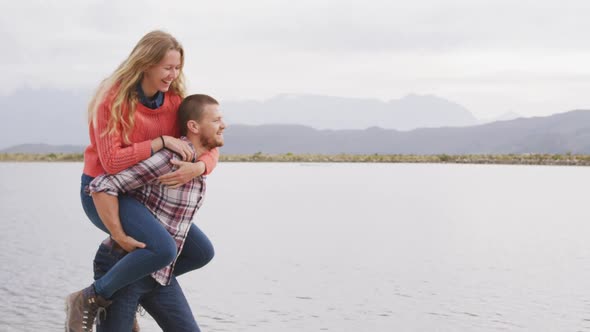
column 211, row 127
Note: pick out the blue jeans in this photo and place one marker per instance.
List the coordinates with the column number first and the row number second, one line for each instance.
column 166, row 304
column 139, row 223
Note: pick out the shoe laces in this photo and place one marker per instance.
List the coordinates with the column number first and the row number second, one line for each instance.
column 101, row 314
column 90, row 314
column 88, row 317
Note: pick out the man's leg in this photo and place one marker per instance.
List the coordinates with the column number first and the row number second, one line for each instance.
column 120, row 315
column 169, row 308
column 196, row 252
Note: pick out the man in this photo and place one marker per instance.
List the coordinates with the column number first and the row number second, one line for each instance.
column 201, row 122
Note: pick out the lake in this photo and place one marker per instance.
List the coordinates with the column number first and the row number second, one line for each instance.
column 331, row 247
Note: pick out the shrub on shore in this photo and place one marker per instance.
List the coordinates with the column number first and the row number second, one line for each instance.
column 510, row 159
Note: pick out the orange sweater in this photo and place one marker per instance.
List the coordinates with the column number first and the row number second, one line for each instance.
column 109, row 153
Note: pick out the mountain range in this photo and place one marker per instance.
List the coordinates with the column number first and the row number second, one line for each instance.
column 326, row 112
column 53, row 116
column 560, row 133
column 55, row 121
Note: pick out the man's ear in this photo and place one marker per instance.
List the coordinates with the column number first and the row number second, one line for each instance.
column 192, row 126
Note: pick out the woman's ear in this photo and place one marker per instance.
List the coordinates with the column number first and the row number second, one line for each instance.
column 193, row 126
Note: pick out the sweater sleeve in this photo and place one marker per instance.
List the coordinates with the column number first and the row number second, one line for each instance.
column 114, row 157
column 210, row 159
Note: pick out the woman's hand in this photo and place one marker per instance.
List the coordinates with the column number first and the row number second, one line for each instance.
column 128, row 243
column 179, row 146
column 186, row 171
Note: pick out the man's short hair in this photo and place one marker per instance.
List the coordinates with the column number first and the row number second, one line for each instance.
column 192, row 108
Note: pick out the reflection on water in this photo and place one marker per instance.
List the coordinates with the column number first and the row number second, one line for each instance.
column 332, row 247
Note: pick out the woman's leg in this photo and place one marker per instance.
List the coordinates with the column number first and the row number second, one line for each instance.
column 196, row 252
column 139, row 223
column 88, row 204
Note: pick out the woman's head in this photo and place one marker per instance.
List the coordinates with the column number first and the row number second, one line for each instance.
column 156, row 63
column 157, row 60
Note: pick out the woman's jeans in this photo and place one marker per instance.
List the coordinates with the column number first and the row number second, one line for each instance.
column 166, row 304
column 139, row 223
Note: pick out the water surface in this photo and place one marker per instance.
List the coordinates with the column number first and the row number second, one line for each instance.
column 332, row 247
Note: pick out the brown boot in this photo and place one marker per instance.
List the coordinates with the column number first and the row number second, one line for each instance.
column 81, row 309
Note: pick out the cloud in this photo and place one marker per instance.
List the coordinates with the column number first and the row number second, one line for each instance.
column 425, row 26
column 259, row 48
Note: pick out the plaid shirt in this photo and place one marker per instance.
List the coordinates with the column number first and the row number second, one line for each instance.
column 174, row 208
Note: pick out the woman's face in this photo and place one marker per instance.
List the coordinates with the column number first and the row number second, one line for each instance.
column 160, row 76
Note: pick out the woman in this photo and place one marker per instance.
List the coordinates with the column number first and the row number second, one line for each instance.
column 133, row 115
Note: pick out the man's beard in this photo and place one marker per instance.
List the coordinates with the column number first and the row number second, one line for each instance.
column 211, row 142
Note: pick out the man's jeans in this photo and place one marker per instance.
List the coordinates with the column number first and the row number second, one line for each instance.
column 166, row 304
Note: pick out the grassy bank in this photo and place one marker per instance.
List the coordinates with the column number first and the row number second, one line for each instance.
column 509, row 159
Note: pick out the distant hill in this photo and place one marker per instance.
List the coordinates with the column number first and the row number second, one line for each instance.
column 501, row 117
column 560, row 133
column 43, row 115
column 43, row 148
column 324, row 112
column 59, row 116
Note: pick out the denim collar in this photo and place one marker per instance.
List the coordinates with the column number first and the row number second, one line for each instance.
column 152, row 103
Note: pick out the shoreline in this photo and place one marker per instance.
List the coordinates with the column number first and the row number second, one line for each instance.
column 500, row 159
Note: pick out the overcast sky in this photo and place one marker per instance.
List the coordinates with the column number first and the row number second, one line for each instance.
column 528, row 57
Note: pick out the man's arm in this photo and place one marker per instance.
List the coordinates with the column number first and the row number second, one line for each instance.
column 187, row 171
column 105, row 189
column 141, row 174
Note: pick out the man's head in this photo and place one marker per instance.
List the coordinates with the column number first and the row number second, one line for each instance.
column 201, row 121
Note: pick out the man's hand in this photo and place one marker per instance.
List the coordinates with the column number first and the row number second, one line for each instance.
column 107, row 207
column 128, row 243
column 186, row 171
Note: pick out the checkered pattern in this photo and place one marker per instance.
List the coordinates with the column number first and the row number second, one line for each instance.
column 174, row 208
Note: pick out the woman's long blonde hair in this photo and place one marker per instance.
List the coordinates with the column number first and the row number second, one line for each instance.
column 120, row 86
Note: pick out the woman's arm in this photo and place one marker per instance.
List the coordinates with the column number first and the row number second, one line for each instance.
column 115, row 156
column 187, row 171
column 210, row 159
